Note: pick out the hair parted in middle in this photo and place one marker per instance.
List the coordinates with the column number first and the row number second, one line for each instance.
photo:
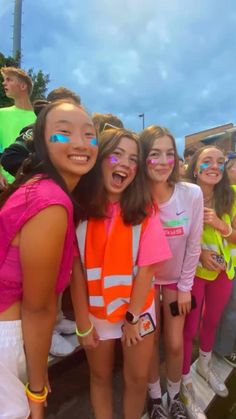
column 147, row 138
column 135, row 201
column 223, row 193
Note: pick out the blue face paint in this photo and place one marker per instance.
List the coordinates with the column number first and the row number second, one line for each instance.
column 94, row 141
column 203, row 166
column 59, row 138
column 221, row 167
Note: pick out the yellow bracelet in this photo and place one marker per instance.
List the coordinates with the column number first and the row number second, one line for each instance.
column 35, row 397
column 83, row 334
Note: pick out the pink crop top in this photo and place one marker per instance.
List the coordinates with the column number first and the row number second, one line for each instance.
column 23, row 204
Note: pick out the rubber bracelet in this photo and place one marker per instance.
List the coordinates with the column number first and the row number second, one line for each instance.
column 36, row 397
column 229, row 232
column 83, row 334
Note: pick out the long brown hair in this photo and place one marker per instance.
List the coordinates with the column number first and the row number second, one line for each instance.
column 92, row 195
column 147, row 138
column 223, row 193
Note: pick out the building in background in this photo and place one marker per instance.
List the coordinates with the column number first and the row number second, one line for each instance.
column 224, row 136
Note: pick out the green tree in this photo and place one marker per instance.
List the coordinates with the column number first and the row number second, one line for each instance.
column 40, row 80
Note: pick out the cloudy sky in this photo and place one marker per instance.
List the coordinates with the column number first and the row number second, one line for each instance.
column 173, row 60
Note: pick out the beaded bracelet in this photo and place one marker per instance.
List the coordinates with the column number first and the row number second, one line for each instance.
column 229, row 232
column 36, row 397
column 83, row 334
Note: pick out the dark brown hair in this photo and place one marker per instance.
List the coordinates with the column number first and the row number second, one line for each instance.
column 147, row 138
column 63, row 93
column 92, row 195
column 223, row 193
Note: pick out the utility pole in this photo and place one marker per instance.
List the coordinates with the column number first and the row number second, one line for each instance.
column 17, row 31
column 141, row 115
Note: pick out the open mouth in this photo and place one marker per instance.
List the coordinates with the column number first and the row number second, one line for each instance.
column 79, row 158
column 118, row 178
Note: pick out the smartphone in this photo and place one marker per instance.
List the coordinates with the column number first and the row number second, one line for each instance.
column 147, row 325
column 174, row 308
column 218, row 258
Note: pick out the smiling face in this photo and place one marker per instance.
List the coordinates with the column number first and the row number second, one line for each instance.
column 161, row 159
column 119, row 168
column 210, row 167
column 71, row 142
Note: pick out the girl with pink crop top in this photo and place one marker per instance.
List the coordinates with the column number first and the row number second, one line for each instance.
column 37, row 237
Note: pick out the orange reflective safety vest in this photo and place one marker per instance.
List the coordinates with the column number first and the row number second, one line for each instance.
column 109, row 262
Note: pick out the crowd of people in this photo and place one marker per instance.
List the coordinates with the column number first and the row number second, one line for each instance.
column 141, row 236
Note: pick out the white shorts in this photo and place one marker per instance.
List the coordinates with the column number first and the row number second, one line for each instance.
column 107, row 330
column 13, row 400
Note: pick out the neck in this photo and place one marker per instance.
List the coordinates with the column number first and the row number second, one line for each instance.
column 23, row 103
column 207, row 190
column 161, row 192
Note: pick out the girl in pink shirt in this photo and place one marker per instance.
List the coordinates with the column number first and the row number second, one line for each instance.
column 36, row 252
column 180, row 207
column 114, row 242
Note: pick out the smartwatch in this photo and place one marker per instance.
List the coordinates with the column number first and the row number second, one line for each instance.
column 131, row 318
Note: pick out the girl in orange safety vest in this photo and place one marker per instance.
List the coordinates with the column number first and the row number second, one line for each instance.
column 118, row 240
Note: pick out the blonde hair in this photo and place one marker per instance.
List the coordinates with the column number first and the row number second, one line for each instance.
column 21, row 75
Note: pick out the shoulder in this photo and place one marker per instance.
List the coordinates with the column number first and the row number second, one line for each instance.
column 188, row 189
column 47, row 191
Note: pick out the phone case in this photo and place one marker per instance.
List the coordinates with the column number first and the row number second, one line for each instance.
column 147, row 325
column 174, row 308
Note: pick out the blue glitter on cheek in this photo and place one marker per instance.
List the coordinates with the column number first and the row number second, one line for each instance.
column 221, row 167
column 203, row 166
column 94, row 141
column 59, row 138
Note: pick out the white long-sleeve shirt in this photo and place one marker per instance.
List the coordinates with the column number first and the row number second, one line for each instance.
column 182, row 219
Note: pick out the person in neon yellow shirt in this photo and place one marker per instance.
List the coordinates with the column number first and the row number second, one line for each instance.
column 18, row 86
column 213, row 280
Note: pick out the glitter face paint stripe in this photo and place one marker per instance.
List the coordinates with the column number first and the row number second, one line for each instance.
column 205, row 166
column 112, row 159
column 59, row 138
column 94, row 141
column 153, row 162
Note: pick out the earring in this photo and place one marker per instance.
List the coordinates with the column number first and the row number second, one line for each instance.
column 195, row 175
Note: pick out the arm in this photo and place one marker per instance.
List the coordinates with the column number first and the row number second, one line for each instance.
column 192, row 253
column 79, row 298
column 41, row 247
column 142, row 285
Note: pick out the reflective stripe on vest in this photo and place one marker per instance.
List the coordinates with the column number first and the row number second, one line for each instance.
column 94, row 274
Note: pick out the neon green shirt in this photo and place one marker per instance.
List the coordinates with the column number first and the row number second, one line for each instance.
column 12, row 120
column 212, row 240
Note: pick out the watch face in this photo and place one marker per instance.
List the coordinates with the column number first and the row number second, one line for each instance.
column 129, row 316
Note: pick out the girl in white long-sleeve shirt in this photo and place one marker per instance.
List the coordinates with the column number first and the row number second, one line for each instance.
column 180, row 207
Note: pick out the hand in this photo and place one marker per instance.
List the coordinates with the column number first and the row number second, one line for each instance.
column 90, row 341
column 184, row 302
column 3, row 182
column 131, row 335
column 36, row 410
column 207, row 260
column 213, row 220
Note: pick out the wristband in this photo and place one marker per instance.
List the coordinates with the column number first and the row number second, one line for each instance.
column 229, row 232
column 83, row 334
column 36, row 396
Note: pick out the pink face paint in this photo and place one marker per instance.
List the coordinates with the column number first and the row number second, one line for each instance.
column 152, row 162
column 171, row 162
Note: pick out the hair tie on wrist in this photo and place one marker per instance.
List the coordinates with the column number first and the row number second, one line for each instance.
column 229, row 232
column 83, row 334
